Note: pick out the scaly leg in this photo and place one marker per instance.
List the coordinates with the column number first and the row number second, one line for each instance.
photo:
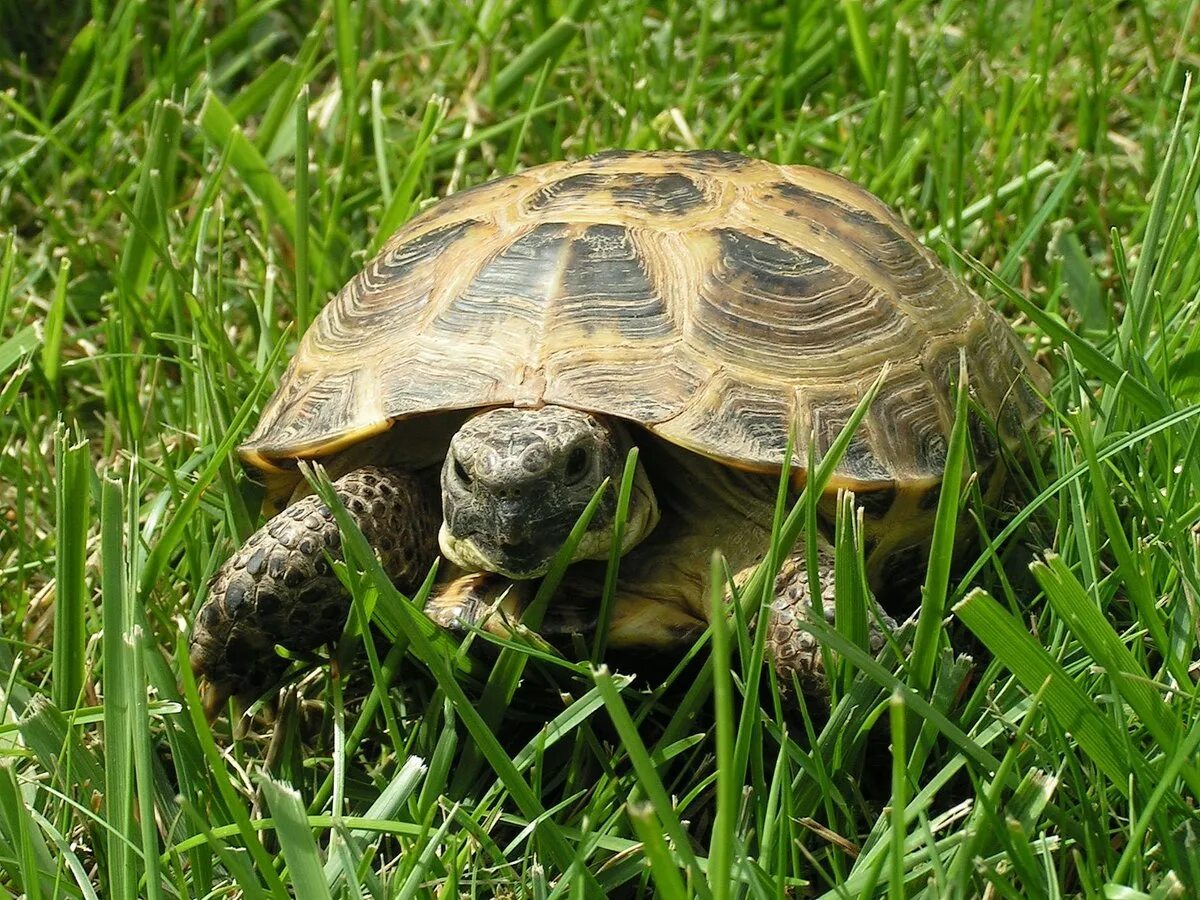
column 278, row 588
column 491, row 601
column 794, row 650
column 497, row 604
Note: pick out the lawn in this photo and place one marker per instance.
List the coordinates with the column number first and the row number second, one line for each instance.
column 161, row 251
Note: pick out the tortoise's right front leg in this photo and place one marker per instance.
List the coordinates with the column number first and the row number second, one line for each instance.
column 278, row 588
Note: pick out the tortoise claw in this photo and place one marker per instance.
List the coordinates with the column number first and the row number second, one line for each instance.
column 213, row 700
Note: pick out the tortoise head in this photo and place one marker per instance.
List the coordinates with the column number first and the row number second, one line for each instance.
column 515, row 482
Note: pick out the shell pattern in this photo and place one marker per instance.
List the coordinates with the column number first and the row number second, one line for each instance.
column 725, row 303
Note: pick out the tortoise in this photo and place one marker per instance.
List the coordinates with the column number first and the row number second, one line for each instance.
column 473, row 387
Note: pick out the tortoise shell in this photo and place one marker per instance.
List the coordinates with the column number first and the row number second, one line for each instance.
column 722, row 302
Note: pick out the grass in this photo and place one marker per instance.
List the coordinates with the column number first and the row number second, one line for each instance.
column 160, row 252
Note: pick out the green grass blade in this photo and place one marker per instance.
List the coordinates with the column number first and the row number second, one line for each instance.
column 721, row 847
column 23, row 851
column 8, row 265
column 55, row 323
column 860, row 40
column 386, row 806
column 118, row 724
column 173, row 534
column 1033, row 666
column 851, row 591
column 941, row 553
column 303, row 277
column 305, row 868
column 1118, row 378
column 1085, row 620
column 1137, row 319
column 73, row 502
column 414, row 883
column 1012, row 260
column 1082, row 287
column 544, row 50
column 68, row 856
column 897, row 718
column 668, row 883
column 227, row 138
column 346, row 36
column 1132, row 570
column 50, row 736
column 402, row 202
column 1183, row 754
column 224, row 134
column 620, row 519
column 17, row 347
column 142, row 746
column 242, row 826
column 648, row 780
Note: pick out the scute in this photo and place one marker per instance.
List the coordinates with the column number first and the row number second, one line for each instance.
column 726, row 304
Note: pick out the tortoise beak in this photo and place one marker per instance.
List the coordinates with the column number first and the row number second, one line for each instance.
column 520, row 560
column 527, row 559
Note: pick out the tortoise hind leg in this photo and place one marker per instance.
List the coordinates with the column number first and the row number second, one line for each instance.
column 278, row 588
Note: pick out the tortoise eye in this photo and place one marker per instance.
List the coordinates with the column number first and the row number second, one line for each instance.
column 461, row 473
column 577, row 464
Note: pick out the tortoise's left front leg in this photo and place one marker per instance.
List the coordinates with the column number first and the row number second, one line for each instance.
column 497, row 603
column 793, row 649
column 493, row 602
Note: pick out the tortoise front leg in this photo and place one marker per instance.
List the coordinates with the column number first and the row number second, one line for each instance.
column 278, row 588
column 496, row 604
column 793, row 649
column 490, row 601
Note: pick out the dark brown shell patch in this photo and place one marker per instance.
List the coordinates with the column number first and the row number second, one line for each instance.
column 859, row 461
column 605, row 286
column 565, row 192
column 520, row 280
column 666, row 195
column 652, row 195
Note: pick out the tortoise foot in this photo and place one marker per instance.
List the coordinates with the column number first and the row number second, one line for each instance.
column 490, row 601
